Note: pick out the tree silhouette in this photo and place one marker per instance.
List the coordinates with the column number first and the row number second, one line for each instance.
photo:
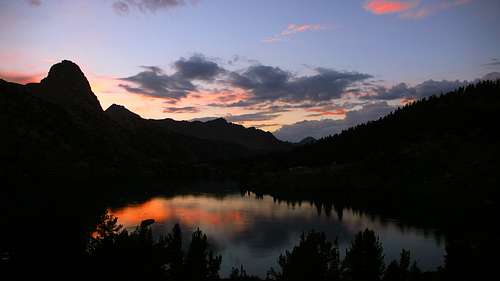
column 401, row 271
column 315, row 258
column 201, row 263
column 364, row 260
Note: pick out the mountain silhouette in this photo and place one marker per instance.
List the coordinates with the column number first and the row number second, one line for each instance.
column 221, row 130
column 218, row 130
column 67, row 86
column 58, row 126
column 307, row 140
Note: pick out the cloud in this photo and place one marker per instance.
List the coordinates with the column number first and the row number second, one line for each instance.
column 197, row 67
column 252, row 85
column 124, row 6
column 382, row 7
column 259, row 126
column 433, row 8
column 422, row 90
column 298, row 28
column 269, row 84
column 259, row 116
column 34, row 2
column 121, row 8
column 321, row 128
column 318, row 112
column 186, row 109
column 204, row 119
column 294, row 29
column 414, row 9
column 493, row 62
column 155, row 83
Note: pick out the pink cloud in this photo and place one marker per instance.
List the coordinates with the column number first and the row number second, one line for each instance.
column 382, row 7
column 317, row 112
column 414, row 9
column 297, row 28
column 294, row 29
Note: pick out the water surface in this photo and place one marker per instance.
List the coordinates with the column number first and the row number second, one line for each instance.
column 253, row 231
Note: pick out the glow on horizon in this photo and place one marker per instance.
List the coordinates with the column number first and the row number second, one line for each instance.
column 375, row 37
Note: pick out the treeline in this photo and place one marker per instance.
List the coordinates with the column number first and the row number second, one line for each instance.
column 114, row 253
column 442, row 150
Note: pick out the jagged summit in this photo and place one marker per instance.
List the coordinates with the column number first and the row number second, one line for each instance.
column 121, row 114
column 117, row 108
column 66, row 71
column 67, row 86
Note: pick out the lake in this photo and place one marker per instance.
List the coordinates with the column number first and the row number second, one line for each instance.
column 254, row 230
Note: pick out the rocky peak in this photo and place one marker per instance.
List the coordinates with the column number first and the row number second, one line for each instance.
column 67, row 86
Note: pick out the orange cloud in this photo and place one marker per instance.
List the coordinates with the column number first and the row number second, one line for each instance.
column 382, row 7
column 323, row 112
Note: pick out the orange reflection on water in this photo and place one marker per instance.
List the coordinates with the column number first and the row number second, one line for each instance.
column 202, row 213
column 133, row 215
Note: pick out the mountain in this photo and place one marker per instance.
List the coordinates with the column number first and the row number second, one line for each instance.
column 67, row 86
column 221, row 130
column 306, row 141
column 57, row 127
column 163, row 144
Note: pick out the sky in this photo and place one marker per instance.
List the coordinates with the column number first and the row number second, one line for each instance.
column 293, row 67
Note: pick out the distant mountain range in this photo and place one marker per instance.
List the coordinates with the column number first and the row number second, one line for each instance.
column 214, row 130
column 59, row 125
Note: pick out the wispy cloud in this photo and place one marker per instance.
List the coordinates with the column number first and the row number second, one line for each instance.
column 432, row 8
column 411, row 9
column 318, row 112
column 294, row 29
column 493, row 62
column 34, row 2
column 122, row 7
column 382, row 7
column 186, row 109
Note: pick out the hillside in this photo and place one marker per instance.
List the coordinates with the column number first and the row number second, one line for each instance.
column 221, row 130
column 443, row 150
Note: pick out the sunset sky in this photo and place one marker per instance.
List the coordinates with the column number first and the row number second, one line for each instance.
column 293, row 67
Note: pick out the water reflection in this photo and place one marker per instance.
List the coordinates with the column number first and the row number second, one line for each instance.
column 253, row 231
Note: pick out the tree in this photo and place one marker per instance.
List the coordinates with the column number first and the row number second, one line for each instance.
column 401, row 271
column 364, row 260
column 201, row 263
column 315, row 258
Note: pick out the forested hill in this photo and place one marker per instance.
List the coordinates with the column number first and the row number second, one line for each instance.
column 448, row 124
column 441, row 152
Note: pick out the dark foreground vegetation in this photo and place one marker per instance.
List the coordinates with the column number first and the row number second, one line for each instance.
column 113, row 253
